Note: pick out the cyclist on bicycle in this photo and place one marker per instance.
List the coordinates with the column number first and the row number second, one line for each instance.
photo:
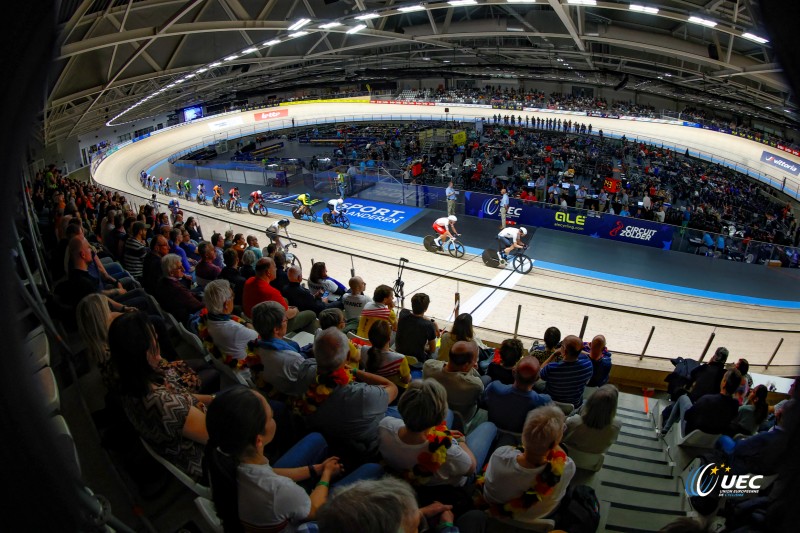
column 179, row 188
column 160, row 183
column 151, row 182
column 233, row 197
column 273, row 230
column 201, row 191
column 143, row 178
column 508, row 239
column 217, row 194
column 445, row 227
column 335, row 206
column 304, row 201
column 255, row 198
column 187, row 187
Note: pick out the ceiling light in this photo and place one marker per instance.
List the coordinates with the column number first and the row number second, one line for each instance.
column 756, row 38
column 231, row 58
column 514, row 29
column 215, row 64
column 411, row 9
column 189, row 76
column 446, row 61
column 272, row 42
column 643, row 9
column 582, row 2
column 297, row 34
column 367, row 16
column 249, row 50
column 330, row 25
column 201, row 70
column 521, row 1
column 356, row 29
column 702, row 21
column 299, row 24
column 457, row 3
column 426, row 58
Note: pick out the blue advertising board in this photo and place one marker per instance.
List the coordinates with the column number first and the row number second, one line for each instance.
column 589, row 223
column 780, row 162
column 378, row 214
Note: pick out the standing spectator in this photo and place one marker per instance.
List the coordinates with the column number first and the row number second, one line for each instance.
column 416, row 334
column 743, row 366
column 504, row 201
column 451, row 194
column 596, row 428
column 459, row 377
column 601, row 360
column 706, row 378
column 566, row 379
column 508, row 405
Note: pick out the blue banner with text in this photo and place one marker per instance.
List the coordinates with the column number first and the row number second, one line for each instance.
column 378, row 214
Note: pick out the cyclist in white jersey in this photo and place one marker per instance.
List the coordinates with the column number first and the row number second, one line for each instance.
column 508, row 239
column 445, row 227
column 334, row 204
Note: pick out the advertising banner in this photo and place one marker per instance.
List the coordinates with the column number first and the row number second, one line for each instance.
column 460, row 138
column 401, row 102
column 590, row 224
column 274, row 113
column 378, row 214
column 784, row 164
column 225, row 123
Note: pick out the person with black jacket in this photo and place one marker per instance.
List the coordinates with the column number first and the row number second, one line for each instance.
column 302, row 298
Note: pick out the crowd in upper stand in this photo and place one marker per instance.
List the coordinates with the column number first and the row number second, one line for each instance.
column 462, row 431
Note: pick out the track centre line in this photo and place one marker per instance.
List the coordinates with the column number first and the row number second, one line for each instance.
column 486, row 300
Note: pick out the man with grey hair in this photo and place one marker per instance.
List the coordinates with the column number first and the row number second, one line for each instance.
column 302, row 298
column 349, row 416
column 459, row 376
column 229, row 336
column 285, row 369
column 171, row 293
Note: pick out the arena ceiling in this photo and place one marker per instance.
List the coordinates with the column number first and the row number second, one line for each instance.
column 123, row 60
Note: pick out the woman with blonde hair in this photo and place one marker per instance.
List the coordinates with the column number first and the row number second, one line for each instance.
column 595, row 429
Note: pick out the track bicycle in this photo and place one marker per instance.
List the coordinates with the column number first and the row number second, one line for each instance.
column 517, row 258
column 258, row 208
column 340, row 219
column 308, row 213
column 291, row 258
column 453, row 246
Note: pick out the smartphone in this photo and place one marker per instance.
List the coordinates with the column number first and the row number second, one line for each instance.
column 325, row 294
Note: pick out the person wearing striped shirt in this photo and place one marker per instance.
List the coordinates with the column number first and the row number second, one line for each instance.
column 565, row 380
column 380, row 308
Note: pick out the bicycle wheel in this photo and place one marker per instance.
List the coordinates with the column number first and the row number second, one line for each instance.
column 262, row 210
column 327, row 219
column 238, row 207
column 296, row 262
column 345, row 221
column 296, row 213
column 522, row 264
column 429, row 244
column 455, row 248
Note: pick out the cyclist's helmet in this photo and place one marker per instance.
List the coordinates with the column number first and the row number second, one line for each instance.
column 236, row 188
column 452, row 218
column 523, row 231
column 283, row 222
column 339, row 201
column 258, row 193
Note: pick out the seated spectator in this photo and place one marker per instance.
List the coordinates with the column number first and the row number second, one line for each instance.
column 285, row 370
column 596, row 428
column 422, row 450
column 300, row 297
column 459, row 378
column 508, row 405
column 380, row 308
column 601, row 360
column 206, row 270
column 248, row 270
column 334, row 318
column 566, row 379
column 552, row 336
column 135, row 250
column 461, row 331
column 753, row 413
column 765, row 452
column 354, row 302
column 188, row 246
column 175, row 239
column 165, row 414
column 171, row 293
column 387, row 506
column 195, row 233
column 249, row 494
column 218, row 243
column 318, row 280
column 416, row 334
column 379, row 359
column 227, row 333
column 743, row 366
column 259, row 289
column 151, row 271
column 541, row 468
column 712, row 413
column 231, row 273
column 345, row 406
column 252, row 245
column 281, row 277
column 510, row 352
column 239, row 245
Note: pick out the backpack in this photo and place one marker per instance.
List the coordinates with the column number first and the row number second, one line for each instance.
column 579, row 511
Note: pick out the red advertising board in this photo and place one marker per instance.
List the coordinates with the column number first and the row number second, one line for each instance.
column 274, row 113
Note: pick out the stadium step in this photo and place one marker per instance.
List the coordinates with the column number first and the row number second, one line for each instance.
column 637, row 483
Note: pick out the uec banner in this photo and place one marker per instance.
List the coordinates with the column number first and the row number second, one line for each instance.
column 589, row 223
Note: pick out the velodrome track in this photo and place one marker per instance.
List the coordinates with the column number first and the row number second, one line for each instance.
column 623, row 313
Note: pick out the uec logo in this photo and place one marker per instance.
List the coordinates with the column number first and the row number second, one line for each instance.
column 702, row 482
column 492, row 206
column 579, row 220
